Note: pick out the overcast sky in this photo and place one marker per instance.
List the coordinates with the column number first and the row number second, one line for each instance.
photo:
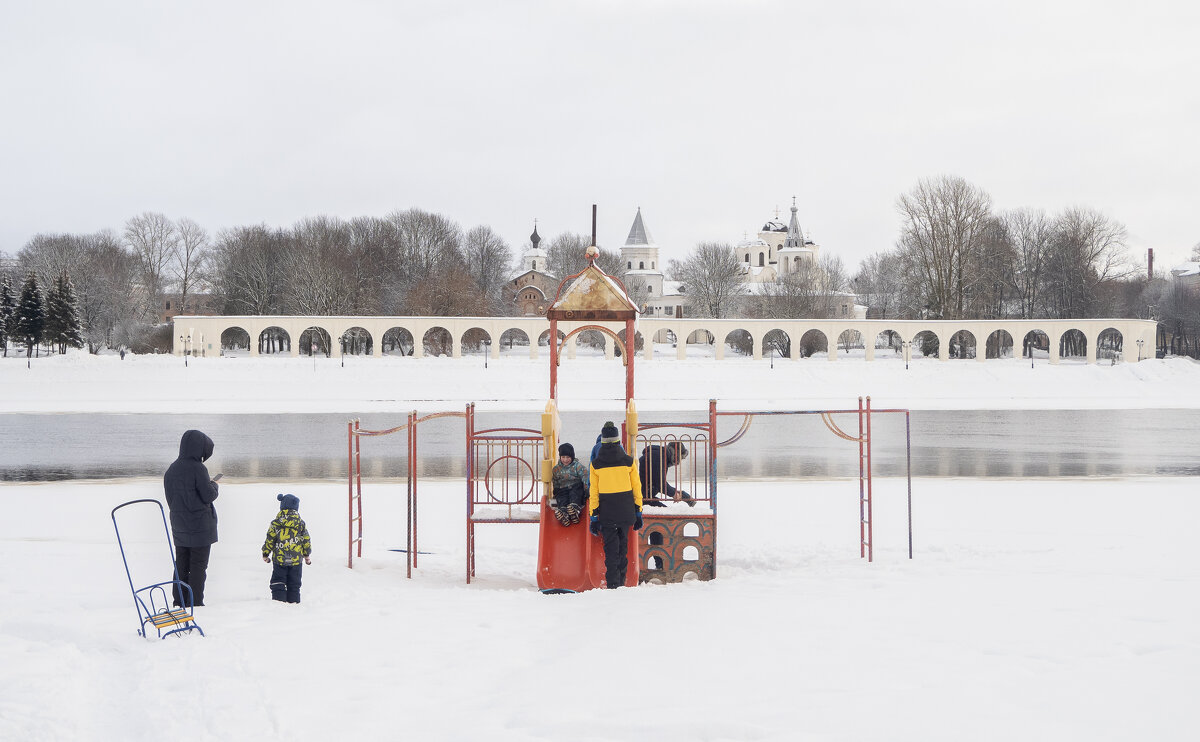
column 707, row 115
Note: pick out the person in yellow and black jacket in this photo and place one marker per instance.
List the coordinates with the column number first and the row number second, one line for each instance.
column 615, row 501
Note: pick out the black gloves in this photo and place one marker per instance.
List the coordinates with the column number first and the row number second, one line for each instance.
column 637, row 524
column 594, row 525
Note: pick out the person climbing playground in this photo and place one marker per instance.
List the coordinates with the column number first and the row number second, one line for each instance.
column 653, row 465
column 615, row 501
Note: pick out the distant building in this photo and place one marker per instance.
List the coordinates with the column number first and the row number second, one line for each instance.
column 643, row 277
column 197, row 305
column 1187, row 276
column 778, row 249
column 533, row 287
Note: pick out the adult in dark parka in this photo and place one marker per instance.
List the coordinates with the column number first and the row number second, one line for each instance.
column 190, row 495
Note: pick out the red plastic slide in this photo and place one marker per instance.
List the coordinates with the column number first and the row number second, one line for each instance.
column 571, row 558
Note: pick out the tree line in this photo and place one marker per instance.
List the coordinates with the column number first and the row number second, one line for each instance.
column 955, row 257
column 36, row 319
column 409, row 262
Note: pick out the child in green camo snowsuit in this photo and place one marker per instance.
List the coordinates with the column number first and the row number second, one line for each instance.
column 569, row 480
column 287, row 543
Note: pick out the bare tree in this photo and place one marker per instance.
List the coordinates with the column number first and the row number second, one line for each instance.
column 714, row 285
column 1028, row 232
column 153, row 239
column 188, row 260
column 428, row 247
column 1087, row 250
column 945, row 220
column 878, row 284
column 488, row 259
column 315, row 274
column 248, row 269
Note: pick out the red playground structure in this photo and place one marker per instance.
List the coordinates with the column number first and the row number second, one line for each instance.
column 508, row 470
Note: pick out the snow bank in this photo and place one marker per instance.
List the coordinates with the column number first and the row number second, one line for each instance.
column 81, row 383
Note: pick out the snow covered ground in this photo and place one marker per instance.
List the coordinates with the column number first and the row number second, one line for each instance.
column 81, row 383
column 1033, row 609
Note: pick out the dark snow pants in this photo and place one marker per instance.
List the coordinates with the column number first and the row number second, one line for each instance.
column 285, row 582
column 616, row 553
column 574, row 494
column 192, row 564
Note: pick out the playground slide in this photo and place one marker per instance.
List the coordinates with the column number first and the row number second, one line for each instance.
column 571, row 558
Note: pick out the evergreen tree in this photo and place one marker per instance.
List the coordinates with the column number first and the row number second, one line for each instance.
column 62, row 318
column 31, row 315
column 8, row 314
column 65, row 313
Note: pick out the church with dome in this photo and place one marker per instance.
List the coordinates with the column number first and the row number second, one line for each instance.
column 533, row 287
column 778, row 250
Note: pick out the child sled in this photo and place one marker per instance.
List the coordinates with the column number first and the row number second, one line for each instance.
column 152, row 601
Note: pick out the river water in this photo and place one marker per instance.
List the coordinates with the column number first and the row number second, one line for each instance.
column 291, row 447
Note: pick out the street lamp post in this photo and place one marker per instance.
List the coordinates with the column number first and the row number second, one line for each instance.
column 183, row 349
column 487, row 348
column 907, row 352
column 1139, row 344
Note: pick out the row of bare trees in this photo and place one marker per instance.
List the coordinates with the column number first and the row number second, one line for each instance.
column 956, row 258
column 408, row 262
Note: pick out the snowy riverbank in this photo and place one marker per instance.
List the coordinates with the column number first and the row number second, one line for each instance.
column 78, row 382
column 1078, row 622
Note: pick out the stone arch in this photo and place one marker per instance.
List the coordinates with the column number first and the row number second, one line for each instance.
column 701, row 343
column 813, row 342
column 475, row 341
column 1109, row 344
column 998, row 345
column 357, row 341
column 850, row 340
column 741, row 342
column 1035, row 344
column 397, row 341
column 315, row 341
column 926, row 344
column 513, row 338
column 234, row 340
column 638, row 343
column 777, row 342
column 962, row 344
column 889, row 340
column 544, row 338
column 593, row 340
column 437, row 341
column 1072, row 344
column 274, row 339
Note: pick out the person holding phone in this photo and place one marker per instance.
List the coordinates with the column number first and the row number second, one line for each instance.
column 190, row 496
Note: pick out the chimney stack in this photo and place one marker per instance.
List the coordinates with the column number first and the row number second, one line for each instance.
column 1150, row 264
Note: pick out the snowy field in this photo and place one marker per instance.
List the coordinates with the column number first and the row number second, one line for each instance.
column 1055, row 609
column 81, row 383
column 1033, row 610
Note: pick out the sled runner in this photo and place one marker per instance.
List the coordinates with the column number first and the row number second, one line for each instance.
column 153, row 601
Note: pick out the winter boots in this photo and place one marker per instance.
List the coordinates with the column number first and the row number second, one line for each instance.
column 561, row 514
column 568, row 515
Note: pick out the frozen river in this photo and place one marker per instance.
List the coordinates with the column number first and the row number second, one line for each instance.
column 1013, row 443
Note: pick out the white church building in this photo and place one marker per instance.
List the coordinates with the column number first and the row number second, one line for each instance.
column 779, row 249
